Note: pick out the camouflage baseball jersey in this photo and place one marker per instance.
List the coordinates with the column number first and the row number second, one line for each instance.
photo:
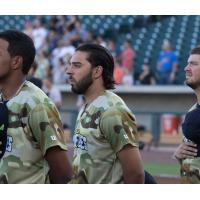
column 103, row 128
column 34, row 127
column 190, row 167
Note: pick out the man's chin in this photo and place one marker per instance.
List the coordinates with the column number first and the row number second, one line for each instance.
column 191, row 85
column 74, row 90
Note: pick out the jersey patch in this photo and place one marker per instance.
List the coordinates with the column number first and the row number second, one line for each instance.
column 80, row 141
column 9, row 143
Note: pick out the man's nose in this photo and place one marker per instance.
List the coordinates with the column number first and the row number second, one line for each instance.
column 186, row 67
column 69, row 69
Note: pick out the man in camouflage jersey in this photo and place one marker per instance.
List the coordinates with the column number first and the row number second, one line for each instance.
column 188, row 153
column 105, row 138
column 35, row 149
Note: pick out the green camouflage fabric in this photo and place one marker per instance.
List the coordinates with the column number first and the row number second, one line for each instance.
column 103, row 128
column 190, row 167
column 34, row 127
column 190, row 171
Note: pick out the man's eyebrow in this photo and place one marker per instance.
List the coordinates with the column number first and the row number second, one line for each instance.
column 74, row 63
column 193, row 62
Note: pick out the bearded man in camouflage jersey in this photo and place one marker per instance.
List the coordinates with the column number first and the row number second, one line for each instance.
column 105, row 138
column 35, row 149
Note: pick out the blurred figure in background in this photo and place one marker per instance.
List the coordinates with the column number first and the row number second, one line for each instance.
column 39, row 34
column 127, row 78
column 118, row 73
column 127, row 57
column 147, row 77
column 63, row 51
column 43, row 65
column 52, row 92
column 101, row 41
column 167, row 65
column 31, row 76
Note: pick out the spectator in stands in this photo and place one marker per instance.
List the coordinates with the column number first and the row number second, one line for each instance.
column 63, row 49
column 112, row 48
column 188, row 153
column 39, row 34
column 106, row 138
column 32, row 146
column 28, row 28
column 69, row 33
column 52, row 92
column 118, row 72
column 43, row 65
column 90, row 37
column 128, row 56
column 31, row 76
column 62, row 69
column 52, row 40
column 147, row 77
column 127, row 78
column 167, row 65
column 101, row 41
column 81, row 33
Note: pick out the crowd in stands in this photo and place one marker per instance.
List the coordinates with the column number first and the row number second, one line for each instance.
column 56, row 41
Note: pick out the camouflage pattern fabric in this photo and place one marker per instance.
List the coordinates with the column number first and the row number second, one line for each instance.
column 190, row 171
column 34, row 127
column 103, row 128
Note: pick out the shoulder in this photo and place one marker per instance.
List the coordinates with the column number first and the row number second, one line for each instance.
column 107, row 100
column 30, row 96
column 116, row 106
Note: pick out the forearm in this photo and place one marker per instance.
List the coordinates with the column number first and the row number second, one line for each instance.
column 61, row 179
column 134, row 178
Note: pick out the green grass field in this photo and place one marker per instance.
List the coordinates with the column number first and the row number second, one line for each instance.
column 162, row 169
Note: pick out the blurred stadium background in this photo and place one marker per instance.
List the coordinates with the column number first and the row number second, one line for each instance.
column 159, row 109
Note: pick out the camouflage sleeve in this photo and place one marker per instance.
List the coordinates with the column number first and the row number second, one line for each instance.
column 119, row 127
column 46, row 127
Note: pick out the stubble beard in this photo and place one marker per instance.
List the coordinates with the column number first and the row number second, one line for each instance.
column 193, row 85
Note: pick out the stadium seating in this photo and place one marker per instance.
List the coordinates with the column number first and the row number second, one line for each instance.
column 147, row 36
column 146, row 33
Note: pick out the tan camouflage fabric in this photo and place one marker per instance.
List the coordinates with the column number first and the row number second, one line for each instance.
column 34, row 127
column 190, row 171
column 190, row 167
column 103, row 128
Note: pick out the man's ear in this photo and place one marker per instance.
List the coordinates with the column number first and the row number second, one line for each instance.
column 98, row 71
column 16, row 62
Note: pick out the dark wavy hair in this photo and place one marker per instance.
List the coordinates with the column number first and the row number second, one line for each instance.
column 98, row 55
column 20, row 44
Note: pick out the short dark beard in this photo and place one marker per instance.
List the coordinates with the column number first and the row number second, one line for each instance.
column 82, row 86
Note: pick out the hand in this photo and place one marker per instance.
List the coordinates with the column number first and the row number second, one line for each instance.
column 185, row 150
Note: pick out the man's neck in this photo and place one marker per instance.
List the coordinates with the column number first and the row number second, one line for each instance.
column 10, row 88
column 94, row 92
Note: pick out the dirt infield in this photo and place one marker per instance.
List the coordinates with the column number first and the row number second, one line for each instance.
column 159, row 155
column 167, row 180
